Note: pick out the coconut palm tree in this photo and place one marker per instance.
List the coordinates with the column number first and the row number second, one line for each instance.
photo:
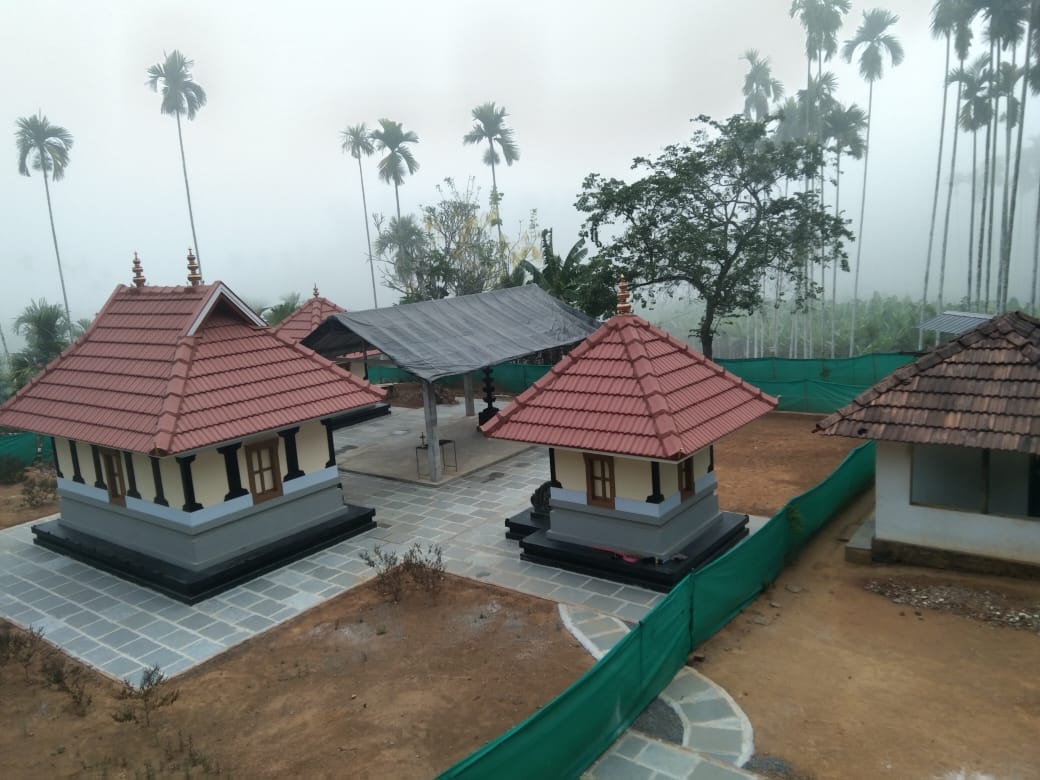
column 489, row 125
column 45, row 327
column 760, row 88
column 358, row 142
column 180, row 95
column 844, row 128
column 45, row 148
column 947, row 20
column 874, row 41
column 391, row 137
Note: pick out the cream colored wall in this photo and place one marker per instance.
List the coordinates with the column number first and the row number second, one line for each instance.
column 63, row 455
column 570, row 470
column 171, row 481
column 209, row 477
column 632, row 479
column 312, row 447
column 669, row 479
column 142, row 475
column 701, row 462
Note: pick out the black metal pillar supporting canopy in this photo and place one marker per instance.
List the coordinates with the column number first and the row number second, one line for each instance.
column 489, row 397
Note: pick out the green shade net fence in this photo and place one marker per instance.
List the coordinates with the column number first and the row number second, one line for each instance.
column 563, row 738
column 817, row 386
column 22, row 446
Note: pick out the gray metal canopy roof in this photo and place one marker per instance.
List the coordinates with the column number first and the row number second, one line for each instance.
column 955, row 322
column 435, row 339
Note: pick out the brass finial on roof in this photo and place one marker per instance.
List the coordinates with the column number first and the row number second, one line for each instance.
column 194, row 277
column 139, row 279
column 623, row 306
column 315, row 289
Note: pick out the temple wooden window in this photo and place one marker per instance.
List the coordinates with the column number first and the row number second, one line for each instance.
column 687, row 484
column 112, row 464
column 599, row 480
column 265, row 479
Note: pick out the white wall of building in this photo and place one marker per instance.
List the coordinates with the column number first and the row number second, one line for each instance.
column 993, row 536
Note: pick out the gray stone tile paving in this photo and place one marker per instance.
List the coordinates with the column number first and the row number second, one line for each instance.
column 121, row 628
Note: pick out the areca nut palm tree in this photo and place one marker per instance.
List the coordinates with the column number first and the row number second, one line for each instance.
column 45, row 147
column 1032, row 43
column 358, row 142
column 489, row 125
column 950, row 20
column 391, row 137
column 874, row 42
column 844, row 127
column 760, row 88
column 181, row 95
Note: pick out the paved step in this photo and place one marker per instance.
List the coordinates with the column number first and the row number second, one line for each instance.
column 717, row 735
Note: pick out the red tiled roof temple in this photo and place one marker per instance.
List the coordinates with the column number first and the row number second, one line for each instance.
column 631, row 389
column 165, row 370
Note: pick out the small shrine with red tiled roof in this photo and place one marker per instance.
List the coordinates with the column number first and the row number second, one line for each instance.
column 307, row 317
column 629, row 417
column 193, row 446
column 958, row 453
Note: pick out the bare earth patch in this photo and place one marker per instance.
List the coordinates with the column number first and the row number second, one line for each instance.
column 13, row 510
column 355, row 687
column 840, row 682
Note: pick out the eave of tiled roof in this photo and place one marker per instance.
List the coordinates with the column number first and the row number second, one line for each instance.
column 631, row 389
column 981, row 389
column 151, row 376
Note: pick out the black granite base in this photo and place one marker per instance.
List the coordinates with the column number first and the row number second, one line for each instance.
column 537, row 547
column 190, row 586
column 525, row 523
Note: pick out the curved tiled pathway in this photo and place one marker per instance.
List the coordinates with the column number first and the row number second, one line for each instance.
column 717, row 736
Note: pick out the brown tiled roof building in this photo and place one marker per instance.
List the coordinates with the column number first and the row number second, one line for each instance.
column 980, row 390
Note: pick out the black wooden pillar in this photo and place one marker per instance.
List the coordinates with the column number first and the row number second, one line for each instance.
column 292, row 458
column 99, row 475
column 489, row 398
column 331, row 444
column 57, row 465
column 160, row 498
column 231, row 469
column 655, row 496
column 552, row 468
column 131, row 476
column 77, row 475
column 187, row 484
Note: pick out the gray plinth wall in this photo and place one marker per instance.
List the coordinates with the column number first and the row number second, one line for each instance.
column 636, row 527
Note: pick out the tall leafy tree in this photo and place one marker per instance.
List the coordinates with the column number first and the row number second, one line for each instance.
column 708, row 216
column 357, row 141
column 489, row 125
column 180, row 96
column 45, row 148
column 760, row 88
column 399, row 161
column 874, row 42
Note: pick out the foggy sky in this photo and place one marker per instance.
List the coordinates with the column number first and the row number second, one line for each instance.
column 588, row 86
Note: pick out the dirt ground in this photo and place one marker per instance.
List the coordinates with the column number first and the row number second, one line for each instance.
column 840, row 682
column 12, row 510
column 356, row 687
column 774, row 458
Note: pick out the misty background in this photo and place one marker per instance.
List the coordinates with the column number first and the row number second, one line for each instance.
column 588, row 86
